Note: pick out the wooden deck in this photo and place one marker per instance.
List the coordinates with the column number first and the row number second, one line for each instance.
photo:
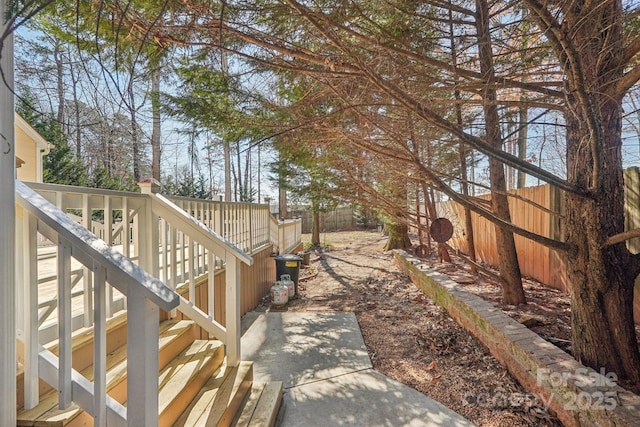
column 48, row 289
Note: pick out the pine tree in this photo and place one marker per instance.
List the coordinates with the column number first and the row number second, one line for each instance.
column 59, row 166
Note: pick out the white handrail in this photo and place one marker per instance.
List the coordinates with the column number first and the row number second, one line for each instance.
column 145, row 295
column 123, row 272
column 198, row 232
column 196, row 229
column 181, row 255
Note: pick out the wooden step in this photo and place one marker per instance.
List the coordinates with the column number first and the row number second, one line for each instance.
column 261, row 408
column 183, row 378
column 220, row 398
column 175, row 336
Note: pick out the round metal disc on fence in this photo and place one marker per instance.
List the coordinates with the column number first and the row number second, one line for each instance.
column 441, row 230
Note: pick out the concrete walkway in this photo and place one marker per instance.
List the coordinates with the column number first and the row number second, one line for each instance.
column 329, row 381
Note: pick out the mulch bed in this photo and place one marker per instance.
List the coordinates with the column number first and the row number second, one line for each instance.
column 412, row 340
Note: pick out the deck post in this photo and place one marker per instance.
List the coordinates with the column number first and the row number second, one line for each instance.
column 7, row 232
column 149, row 260
column 142, row 356
column 232, row 290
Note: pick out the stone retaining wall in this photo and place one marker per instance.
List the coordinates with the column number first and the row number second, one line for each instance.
column 577, row 395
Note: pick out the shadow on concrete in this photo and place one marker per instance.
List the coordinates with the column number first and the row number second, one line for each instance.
column 328, row 377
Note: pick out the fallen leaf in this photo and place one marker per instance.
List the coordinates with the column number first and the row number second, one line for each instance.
column 436, row 378
column 432, row 366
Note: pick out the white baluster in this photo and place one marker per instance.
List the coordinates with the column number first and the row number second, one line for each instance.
column 174, row 257
column 87, row 277
column 211, row 279
column 100, row 347
column 126, row 228
column 191, row 270
column 64, row 323
column 250, row 228
column 183, row 258
column 108, row 229
column 31, row 380
column 164, row 263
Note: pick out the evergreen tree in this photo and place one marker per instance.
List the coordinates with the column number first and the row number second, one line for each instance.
column 59, row 166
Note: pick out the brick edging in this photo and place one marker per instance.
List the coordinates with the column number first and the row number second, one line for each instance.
column 578, row 395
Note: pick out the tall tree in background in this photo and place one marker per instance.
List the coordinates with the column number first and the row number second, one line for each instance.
column 213, row 99
column 512, row 291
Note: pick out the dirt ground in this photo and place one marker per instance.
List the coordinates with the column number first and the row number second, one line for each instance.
column 414, row 341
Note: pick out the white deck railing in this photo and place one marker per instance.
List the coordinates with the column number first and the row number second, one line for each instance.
column 199, row 243
column 285, row 235
column 158, row 241
column 145, row 295
column 178, row 259
column 158, row 244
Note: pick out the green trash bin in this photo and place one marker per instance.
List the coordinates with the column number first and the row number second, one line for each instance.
column 288, row 264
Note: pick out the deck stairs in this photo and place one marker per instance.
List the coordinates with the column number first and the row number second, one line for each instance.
column 110, row 359
column 197, row 388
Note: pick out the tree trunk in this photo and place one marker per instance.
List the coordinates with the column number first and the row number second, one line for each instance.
column 315, row 225
column 258, row 179
column 227, row 171
column 246, row 189
column 512, row 291
column 282, row 191
column 395, row 224
column 522, row 143
column 603, row 333
column 468, row 220
column 282, row 203
column 57, row 57
column 76, row 103
column 601, row 277
column 398, row 236
column 135, row 141
column 462, row 151
column 239, row 189
column 156, row 149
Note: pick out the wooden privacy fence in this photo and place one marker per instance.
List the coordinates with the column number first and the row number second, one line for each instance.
column 341, row 218
column 537, row 209
column 540, row 210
